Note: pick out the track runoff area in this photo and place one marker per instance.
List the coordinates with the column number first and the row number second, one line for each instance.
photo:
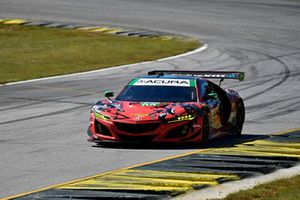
column 163, row 179
column 171, row 177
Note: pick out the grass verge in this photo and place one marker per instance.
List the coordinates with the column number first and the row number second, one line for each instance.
column 285, row 189
column 34, row 52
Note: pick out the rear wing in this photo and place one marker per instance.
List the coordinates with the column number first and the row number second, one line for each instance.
column 203, row 74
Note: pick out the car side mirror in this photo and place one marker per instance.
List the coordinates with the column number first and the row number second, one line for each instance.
column 108, row 94
column 213, row 95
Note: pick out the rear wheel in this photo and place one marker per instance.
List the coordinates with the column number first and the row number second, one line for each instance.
column 240, row 119
column 205, row 127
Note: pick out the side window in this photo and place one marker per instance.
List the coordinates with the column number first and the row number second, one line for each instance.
column 206, row 90
column 201, row 85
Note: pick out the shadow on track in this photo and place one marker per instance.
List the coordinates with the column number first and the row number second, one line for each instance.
column 228, row 141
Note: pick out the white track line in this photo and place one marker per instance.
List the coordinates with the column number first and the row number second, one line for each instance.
column 202, row 48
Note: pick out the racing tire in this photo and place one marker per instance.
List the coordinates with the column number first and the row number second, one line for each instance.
column 205, row 128
column 89, row 132
column 240, row 119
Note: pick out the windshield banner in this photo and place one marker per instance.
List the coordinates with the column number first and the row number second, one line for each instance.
column 163, row 82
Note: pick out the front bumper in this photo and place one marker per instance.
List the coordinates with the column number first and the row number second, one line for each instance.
column 145, row 132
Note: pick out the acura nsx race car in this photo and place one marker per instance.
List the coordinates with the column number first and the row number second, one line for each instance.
column 169, row 106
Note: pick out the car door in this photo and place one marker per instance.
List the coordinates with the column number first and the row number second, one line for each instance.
column 209, row 95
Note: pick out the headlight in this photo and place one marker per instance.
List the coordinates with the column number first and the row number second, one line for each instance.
column 100, row 116
column 182, row 118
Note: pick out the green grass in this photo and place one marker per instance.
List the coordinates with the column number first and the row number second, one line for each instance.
column 285, row 189
column 34, row 52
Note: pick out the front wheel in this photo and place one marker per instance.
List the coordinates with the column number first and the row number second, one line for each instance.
column 240, row 119
column 205, row 128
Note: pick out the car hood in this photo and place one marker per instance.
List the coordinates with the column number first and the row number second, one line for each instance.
column 145, row 111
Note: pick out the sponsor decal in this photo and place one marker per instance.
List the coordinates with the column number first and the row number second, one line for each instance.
column 238, row 75
column 163, row 82
column 213, row 75
column 139, row 116
column 149, row 103
column 197, row 126
column 231, row 75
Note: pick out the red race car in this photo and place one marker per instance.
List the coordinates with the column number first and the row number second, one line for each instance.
column 169, row 106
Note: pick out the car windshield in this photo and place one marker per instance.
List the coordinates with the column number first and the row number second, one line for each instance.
column 157, row 94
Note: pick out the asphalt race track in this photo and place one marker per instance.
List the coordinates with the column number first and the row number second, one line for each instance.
column 43, row 123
